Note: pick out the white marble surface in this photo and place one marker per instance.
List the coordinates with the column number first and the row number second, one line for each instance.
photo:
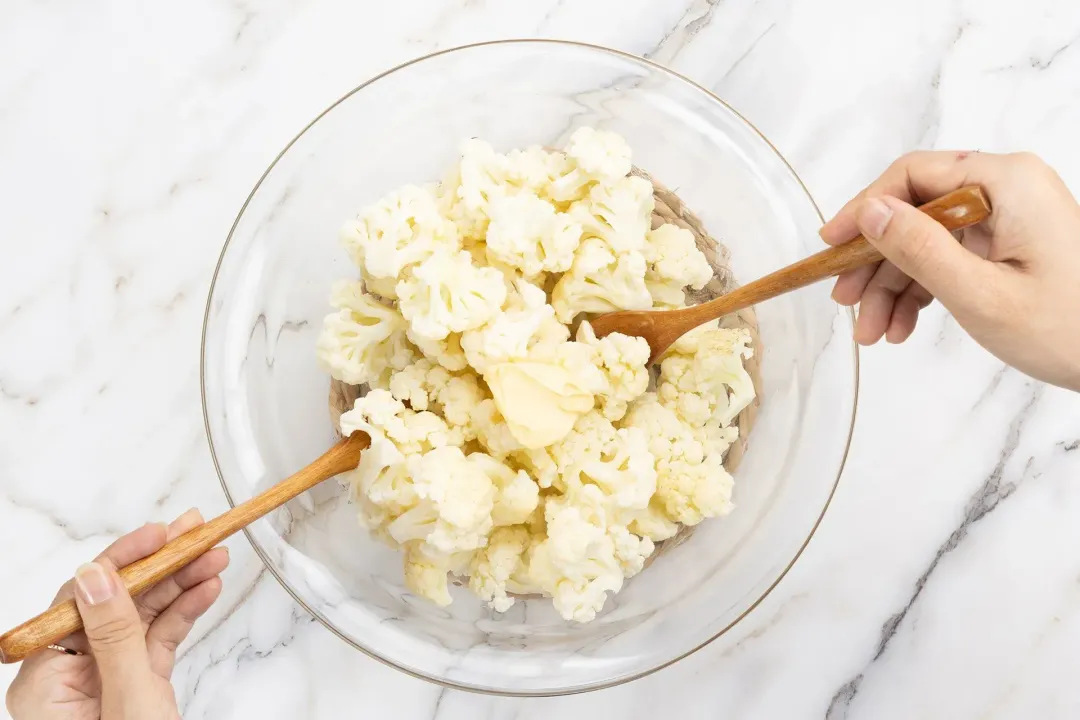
column 945, row 581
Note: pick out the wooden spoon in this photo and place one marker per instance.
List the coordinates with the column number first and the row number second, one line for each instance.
column 959, row 209
column 61, row 620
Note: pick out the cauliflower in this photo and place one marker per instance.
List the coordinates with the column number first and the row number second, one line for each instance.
column 583, row 556
column 702, row 375
column 455, row 502
column 674, row 263
column 501, row 449
column 427, row 573
column 619, row 213
column 603, row 155
column 623, row 360
column 492, row 431
column 399, row 231
column 364, row 340
column 496, row 566
column 601, row 281
column 527, row 233
column 512, row 333
column 380, row 483
column 447, row 293
column 517, row 493
column 691, row 483
column 446, row 351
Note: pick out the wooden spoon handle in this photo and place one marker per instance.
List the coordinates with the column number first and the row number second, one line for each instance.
column 62, row 619
column 959, row 209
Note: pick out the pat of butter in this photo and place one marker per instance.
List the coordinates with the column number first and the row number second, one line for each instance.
column 540, row 401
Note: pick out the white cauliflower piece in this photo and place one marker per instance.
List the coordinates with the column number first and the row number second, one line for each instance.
column 583, row 556
column 364, row 340
column 691, row 482
column 448, row 293
column 513, row 332
column 516, row 493
column 702, row 376
column 620, row 213
column 427, row 573
column 674, row 263
column 603, row 155
column 446, row 351
column 467, row 192
column 453, row 514
column 624, row 360
column 494, row 567
column 525, row 232
column 380, row 483
column 402, row 229
column 601, row 281
column 425, row 385
column 492, row 431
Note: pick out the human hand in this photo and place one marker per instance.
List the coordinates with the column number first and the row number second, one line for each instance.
column 129, row 644
column 1013, row 282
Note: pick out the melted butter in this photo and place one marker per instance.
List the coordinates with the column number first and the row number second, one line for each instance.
column 539, row 401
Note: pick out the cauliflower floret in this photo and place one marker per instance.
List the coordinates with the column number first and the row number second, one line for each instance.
column 447, row 351
column 516, row 493
column 426, row 573
column 619, row 213
column 595, row 451
column 399, row 231
column 624, row 361
column 653, row 523
column 380, row 483
column 456, row 500
column 601, row 281
column 468, row 190
column 492, row 431
column 525, row 232
column 603, row 155
column 495, row 566
column 410, row 431
column 691, row 482
column 583, row 556
column 460, row 398
column 364, row 340
column 513, row 332
column 425, row 385
column 674, row 263
column 702, row 376
column 447, row 293
column 535, row 168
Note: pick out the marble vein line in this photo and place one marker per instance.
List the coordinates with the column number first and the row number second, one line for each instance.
column 684, row 30
column 985, row 500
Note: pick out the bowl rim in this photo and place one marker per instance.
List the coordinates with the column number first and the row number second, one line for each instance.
column 261, row 552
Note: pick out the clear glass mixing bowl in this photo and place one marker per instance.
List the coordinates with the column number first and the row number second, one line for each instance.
column 265, row 398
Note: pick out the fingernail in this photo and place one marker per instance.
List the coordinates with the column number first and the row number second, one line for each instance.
column 873, row 217
column 93, row 584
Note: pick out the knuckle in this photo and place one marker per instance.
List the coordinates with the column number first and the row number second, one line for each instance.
column 1028, row 161
column 112, row 632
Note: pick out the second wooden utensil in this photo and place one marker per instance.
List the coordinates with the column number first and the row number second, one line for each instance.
column 61, row 620
column 957, row 210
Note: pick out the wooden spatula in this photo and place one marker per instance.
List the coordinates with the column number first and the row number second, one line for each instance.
column 959, row 209
column 61, row 620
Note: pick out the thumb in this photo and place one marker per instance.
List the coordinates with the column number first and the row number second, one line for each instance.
column 114, row 630
column 923, row 250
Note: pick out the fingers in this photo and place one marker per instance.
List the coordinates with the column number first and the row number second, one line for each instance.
column 918, row 178
column 115, row 633
column 849, row 286
column 878, row 299
column 905, row 313
column 174, row 624
column 159, row 597
column 925, row 251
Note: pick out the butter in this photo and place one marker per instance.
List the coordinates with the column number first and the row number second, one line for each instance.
column 539, row 401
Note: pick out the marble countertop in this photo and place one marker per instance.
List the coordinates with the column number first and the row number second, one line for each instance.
column 945, row 580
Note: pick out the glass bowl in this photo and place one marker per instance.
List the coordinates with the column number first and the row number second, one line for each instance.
column 265, row 397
